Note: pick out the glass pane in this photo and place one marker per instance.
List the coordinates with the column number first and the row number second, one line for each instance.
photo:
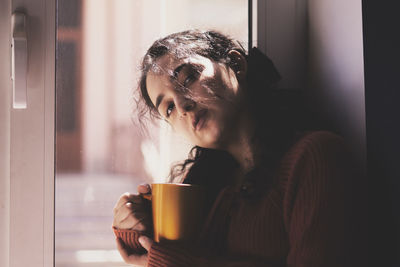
column 100, row 153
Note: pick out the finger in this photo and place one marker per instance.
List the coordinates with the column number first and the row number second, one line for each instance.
column 137, row 260
column 144, row 189
column 122, row 250
column 135, row 222
column 123, row 212
column 122, row 200
column 145, row 242
column 130, row 258
column 125, row 198
column 129, row 208
column 138, row 210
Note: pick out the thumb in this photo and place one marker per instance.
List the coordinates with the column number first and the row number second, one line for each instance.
column 144, row 189
column 145, row 242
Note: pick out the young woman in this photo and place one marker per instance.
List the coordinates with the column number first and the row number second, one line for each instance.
column 277, row 196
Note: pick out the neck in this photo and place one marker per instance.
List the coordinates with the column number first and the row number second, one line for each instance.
column 240, row 145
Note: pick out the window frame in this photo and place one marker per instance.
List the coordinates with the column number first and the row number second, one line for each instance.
column 27, row 176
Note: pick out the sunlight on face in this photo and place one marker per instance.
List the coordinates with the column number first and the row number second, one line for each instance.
column 196, row 96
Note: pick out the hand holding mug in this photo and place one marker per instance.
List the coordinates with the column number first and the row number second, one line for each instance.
column 133, row 212
column 178, row 213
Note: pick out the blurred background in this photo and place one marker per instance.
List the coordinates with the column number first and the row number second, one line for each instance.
column 100, row 152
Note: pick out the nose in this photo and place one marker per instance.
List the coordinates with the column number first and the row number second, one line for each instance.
column 185, row 105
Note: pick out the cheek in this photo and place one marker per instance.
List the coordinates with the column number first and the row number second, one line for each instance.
column 218, row 127
column 224, row 111
column 180, row 128
column 218, row 90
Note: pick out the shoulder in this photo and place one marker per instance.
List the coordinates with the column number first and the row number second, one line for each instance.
column 316, row 139
column 316, row 146
column 317, row 160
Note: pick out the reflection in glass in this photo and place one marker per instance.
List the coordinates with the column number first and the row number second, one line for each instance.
column 100, row 152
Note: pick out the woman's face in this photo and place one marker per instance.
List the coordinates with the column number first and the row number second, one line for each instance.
column 198, row 97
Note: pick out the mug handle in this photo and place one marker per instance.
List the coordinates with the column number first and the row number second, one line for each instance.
column 146, row 196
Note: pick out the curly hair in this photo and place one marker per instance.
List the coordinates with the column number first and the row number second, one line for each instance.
column 268, row 106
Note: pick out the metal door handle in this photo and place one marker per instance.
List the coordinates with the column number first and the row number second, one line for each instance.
column 19, row 60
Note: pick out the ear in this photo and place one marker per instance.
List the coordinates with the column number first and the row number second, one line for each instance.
column 238, row 64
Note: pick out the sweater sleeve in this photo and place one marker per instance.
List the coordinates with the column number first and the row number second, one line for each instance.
column 318, row 203
column 171, row 255
column 130, row 239
column 168, row 255
column 162, row 255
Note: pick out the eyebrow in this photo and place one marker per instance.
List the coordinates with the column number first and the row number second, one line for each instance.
column 178, row 69
column 158, row 100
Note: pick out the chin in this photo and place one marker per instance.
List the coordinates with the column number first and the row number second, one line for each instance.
column 211, row 139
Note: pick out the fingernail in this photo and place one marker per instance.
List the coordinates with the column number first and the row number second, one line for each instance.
column 141, row 241
column 145, row 185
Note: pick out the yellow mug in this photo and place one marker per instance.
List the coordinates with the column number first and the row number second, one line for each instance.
column 178, row 211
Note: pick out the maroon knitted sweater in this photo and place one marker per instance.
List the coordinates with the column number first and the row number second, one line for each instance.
column 305, row 217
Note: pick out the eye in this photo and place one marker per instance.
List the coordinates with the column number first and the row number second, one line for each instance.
column 189, row 79
column 192, row 73
column 169, row 110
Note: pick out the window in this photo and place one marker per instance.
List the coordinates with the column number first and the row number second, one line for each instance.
column 100, row 153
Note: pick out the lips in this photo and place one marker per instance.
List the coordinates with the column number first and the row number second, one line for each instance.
column 199, row 119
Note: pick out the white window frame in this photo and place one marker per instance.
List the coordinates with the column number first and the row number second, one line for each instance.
column 27, row 141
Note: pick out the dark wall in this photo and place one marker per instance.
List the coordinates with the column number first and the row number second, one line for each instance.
column 381, row 26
